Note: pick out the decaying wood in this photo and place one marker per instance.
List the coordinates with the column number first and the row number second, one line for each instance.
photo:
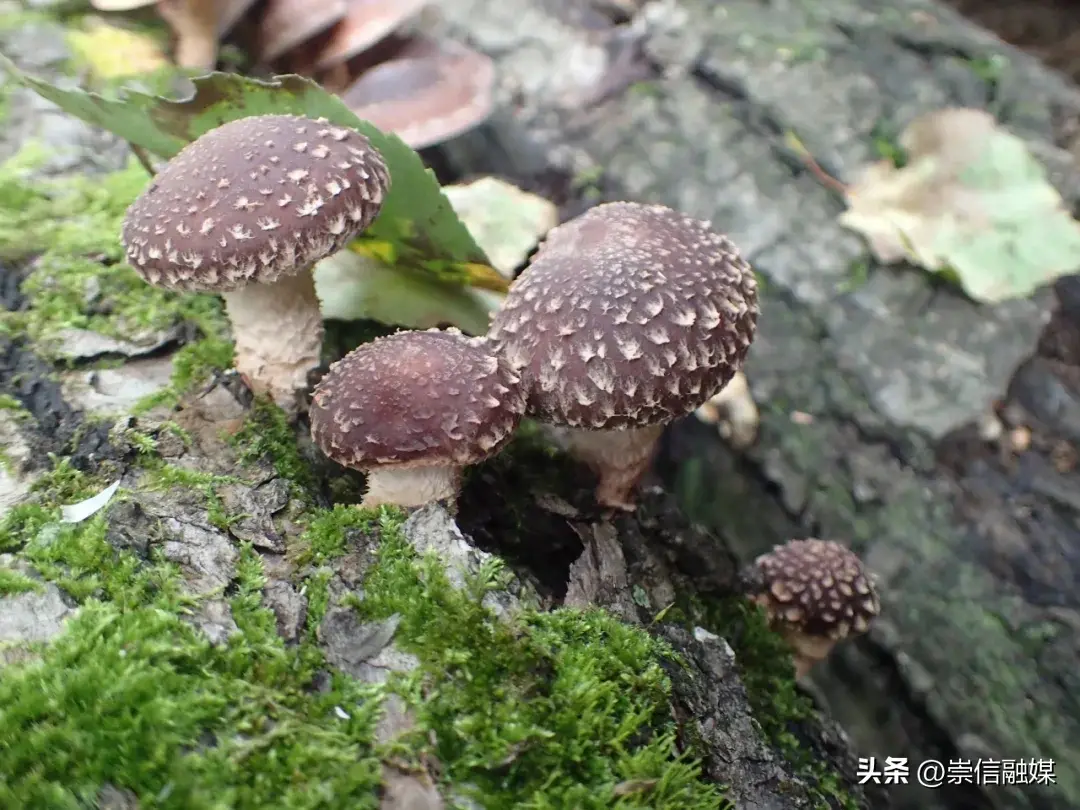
column 861, row 385
column 561, row 548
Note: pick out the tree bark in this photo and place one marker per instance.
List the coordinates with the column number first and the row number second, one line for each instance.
column 69, row 405
column 870, row 389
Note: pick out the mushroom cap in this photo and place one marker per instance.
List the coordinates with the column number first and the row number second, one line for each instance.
column 286, row 24
column 628, row 315
column 366, row 23
column 253, row 200
column 817, row 588
column 428, row 92
column 416, row 399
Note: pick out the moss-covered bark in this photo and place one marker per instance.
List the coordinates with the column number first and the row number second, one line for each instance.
column 229, row 630
column 865, row 375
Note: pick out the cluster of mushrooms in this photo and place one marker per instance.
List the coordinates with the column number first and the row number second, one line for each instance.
column 627, row 317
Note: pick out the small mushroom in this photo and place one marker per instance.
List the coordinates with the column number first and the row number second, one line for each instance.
column 427, row 92
column 366, row 23
column 628, row 317
column 816, row 593
column 413, row 409
column 247, row 210
column 288, row 23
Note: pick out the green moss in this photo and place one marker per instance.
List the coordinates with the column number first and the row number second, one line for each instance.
column 168, row 476
column 767, row 672
column 13, row 582
column 326, row 536
column 266, row 434
column 318, row 590
column 547, row 710
column 79, row 279
column 131, row 695
column 885, row 136
column 553, row 709
column 138, row 699
column 192, row 365
column 9, row 403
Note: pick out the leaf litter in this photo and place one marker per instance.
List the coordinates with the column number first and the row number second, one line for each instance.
column 971, row 202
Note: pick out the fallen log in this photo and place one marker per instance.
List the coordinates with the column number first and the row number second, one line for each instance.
column 193, row 613
column 870, row 380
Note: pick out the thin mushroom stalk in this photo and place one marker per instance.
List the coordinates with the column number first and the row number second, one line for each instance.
column 619, row 458
column 807, row 653
column 278, row 332
column 411, row 486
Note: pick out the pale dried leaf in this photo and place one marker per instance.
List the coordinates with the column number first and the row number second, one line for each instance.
column 506, row 222
column 971, row 201
column 351, row 286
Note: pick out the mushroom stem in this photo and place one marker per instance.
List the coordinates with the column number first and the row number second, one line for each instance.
column 808, row 651
column 411, row 486
column 619, row 457
column 278, row 330
column 803, row 666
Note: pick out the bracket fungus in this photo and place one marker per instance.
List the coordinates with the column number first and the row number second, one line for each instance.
column 816, row 593
column 413, row 409
column 628, row 317
column 247, row 210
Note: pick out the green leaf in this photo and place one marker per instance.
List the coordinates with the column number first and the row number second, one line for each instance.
column 417, row 222
column 972, row 204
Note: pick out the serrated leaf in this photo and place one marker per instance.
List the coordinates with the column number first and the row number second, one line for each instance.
column 417, row 221
column 971, row 203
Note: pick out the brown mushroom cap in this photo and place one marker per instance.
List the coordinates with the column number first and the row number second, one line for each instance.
column 254, row 200
column 629, row 315
column 286, row 24
column 416, row 399
column 366, row 23
column 817, row 588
